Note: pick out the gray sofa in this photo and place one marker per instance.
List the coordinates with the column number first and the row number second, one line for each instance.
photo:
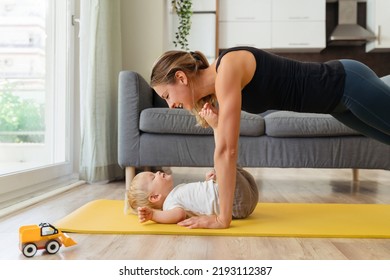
column 151, row 135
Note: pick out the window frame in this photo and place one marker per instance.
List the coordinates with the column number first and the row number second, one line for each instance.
column 19, row 186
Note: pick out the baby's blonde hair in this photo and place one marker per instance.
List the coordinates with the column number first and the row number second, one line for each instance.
column 136, row 196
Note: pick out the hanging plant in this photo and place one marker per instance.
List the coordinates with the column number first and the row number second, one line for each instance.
column 183, row 9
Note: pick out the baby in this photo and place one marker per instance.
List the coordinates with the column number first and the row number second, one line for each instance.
column 153, row 197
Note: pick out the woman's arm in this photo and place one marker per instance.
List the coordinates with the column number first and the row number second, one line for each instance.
column 172, row 216
column 234, row 72
column 228, row 90
column 225, row 159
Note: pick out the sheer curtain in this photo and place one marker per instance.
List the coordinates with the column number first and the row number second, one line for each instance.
column 100, row 63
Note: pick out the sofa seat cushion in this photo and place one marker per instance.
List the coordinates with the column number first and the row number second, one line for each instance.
column 292, row 124
column 178, row 121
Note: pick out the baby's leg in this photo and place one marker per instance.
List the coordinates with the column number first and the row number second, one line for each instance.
column 246, row 195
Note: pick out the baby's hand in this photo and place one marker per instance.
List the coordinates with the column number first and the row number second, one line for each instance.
column 210, row 114
column 145, row 214
column 211, row 175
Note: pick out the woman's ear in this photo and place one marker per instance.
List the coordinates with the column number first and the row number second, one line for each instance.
column 181, row 77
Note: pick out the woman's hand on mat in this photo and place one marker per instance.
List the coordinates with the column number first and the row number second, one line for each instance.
column 145, row 214
column 211, row 221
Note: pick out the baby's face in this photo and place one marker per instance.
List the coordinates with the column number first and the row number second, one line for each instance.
column 158, row 183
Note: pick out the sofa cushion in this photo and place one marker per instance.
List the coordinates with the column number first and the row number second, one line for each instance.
column 178, row 121
column 292, row 124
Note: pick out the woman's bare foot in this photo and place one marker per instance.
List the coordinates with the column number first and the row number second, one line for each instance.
column 210, row 114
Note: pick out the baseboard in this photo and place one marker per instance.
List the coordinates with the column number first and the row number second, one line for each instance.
column 30, row 201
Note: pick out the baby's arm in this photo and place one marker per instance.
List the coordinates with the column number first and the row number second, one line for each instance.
column 172, row 216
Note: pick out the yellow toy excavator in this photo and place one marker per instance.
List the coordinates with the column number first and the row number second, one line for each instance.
column 42, row 236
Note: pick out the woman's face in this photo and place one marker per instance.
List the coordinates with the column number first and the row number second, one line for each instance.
column 178, row 94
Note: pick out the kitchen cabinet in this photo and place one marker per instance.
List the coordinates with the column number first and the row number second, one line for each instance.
column 298, row 10
column 245, row 22
column 297, row 25
column 379, row 23
column 255, row 34
column 245, row 10
column 298, row 36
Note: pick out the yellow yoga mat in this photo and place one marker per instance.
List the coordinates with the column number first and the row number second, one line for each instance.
column 268, row 219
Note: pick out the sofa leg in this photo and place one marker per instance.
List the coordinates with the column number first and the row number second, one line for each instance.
column 355, row 174
column 130, row 174
column 355, row 180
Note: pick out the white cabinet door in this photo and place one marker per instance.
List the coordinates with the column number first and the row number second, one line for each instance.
column 278, row 24
column 298, row 25
column 298, row 10
column 245, row 23
column 298, row 36
column 244, row 10
column 202, row 35
column 378, row 21
column 203, row 5
column 256, row 34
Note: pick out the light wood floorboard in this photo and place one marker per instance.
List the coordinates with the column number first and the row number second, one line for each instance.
column 275, row 185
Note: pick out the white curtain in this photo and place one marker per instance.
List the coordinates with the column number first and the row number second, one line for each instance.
column 100, row 63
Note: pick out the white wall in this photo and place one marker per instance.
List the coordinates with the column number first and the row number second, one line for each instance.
column 142, row 34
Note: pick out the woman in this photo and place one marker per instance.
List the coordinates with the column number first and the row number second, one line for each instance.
column 246, row 78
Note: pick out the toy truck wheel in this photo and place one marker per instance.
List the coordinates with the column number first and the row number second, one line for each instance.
column 29, row 250
column 52, row 246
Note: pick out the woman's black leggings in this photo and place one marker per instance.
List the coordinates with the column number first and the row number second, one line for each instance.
column 367, row 102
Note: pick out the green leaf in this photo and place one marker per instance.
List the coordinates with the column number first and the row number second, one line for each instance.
column 183, row 9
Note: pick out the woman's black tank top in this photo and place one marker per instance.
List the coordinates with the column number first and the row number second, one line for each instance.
column 285, row 84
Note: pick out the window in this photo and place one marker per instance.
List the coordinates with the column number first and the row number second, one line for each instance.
column 36, row 94
column 47, row 229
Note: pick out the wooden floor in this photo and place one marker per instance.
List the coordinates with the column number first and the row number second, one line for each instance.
column 275, row 185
